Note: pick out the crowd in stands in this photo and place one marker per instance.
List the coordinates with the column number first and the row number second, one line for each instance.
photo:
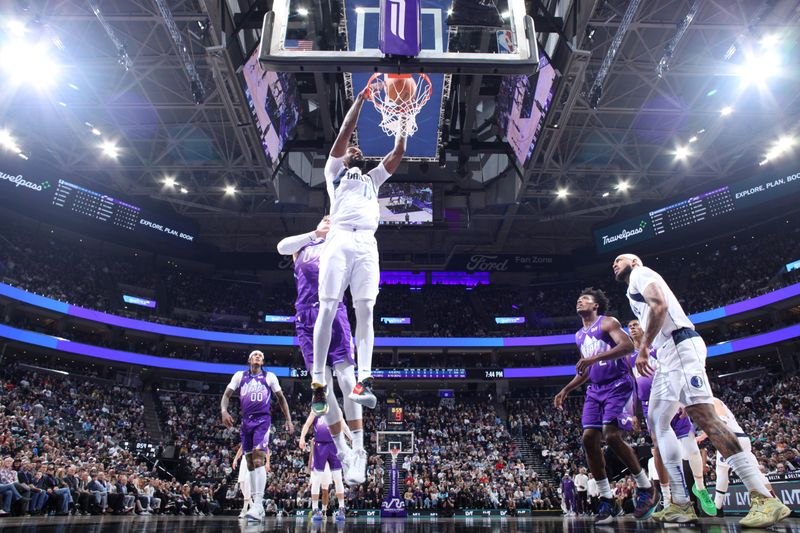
column 93, row 274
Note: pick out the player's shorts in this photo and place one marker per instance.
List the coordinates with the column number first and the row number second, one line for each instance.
column 744, row 442
column 688, row 384
column 341, row 349
column 255, row 433
column 325, row 456
column 681, row 426
column 609, row 403
column 350, row 258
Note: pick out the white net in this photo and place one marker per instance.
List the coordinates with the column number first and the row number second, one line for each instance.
column 399, row 117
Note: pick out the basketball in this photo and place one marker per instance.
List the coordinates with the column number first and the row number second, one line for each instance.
column 399, row 88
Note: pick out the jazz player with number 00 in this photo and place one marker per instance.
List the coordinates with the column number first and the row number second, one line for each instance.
column 350, row 256
column 255, row 388
column 681, row 425
column 681, row 379
column 607, row 408
column 305, row 250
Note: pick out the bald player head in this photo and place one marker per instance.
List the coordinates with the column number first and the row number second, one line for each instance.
column 624, row 265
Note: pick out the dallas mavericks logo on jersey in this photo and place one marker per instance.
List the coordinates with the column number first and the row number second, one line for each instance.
column 350, row 174
column 696, row 382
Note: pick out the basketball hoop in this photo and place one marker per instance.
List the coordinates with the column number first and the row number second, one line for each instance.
column 399, row 117
column 394, row 452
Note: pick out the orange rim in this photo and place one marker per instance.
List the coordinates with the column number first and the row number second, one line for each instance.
column 423, row 77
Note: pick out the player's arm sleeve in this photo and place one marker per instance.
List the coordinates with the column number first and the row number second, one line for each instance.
column 379, row 175
column 272, row 381
column 292, row 245
column 236, row 380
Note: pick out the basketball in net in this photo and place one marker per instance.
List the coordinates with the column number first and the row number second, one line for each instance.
column 399, row 98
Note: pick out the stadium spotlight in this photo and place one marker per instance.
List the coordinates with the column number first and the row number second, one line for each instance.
column 110, row 149
column 169, row 181
column 769, row 41
column 693, row 139
column 562, row 193
column 725, row 111
column 230, row 190
column 8, row 142
column 16, row 27
column 682, row 152
column 27, row 63
column 95, row 131
column 623, row 185
column 781, row 146
column 303, row 12
column 759, row 67
column 184, row 190
column 605, row 194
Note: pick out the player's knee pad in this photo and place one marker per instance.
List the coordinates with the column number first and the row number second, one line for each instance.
column 337, row 481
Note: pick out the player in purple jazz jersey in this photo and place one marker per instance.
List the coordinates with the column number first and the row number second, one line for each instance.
column 255, row 388
column 603, row 344
column 306, row 250
column 681, row 424
column 324, row 459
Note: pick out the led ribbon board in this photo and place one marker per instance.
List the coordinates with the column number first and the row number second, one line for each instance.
column 418, row 342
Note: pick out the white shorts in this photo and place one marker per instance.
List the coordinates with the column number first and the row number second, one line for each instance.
column 325, row 478
column 350, row 258
column 688, row 384
column 744, row 442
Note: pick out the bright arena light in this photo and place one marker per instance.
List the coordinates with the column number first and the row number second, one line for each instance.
column 8, row 142
column 169, row 181
column 562, row 193
column 303, row 12
column 682, row 152
column 230, row 190
column 769, row 41
column 623, row 186
column 110, row 149
column 95, row 131
column 725, row 111
column 781, row 146
column 16, row 27
column 26, row 63
column 759, row 67
column 184, row 190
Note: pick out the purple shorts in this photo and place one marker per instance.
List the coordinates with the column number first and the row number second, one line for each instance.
column 341, row 350
column 609, row 403
column 255, row 433
column 681, row 426
column 325, row 452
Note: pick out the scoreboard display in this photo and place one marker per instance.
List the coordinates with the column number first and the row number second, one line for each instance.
column 395, row 415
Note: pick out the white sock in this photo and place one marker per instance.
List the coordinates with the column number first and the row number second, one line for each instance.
column 341, row 444
column 719, row 499
column 341, row 501
column 642, row 481
column 677, row 483
column 358, row 439
column 258, row 480
column 666, row 494
column 692, row 454
column 746, row 467
column 604, row 488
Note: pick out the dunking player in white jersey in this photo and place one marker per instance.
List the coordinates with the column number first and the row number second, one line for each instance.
column 350, row 257
column 255, row 388
column 681, row 380
column 723, row 468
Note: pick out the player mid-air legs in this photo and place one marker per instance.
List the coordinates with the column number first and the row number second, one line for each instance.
column 602, row 344
column 305, row 250
column 350, row 256
column 255, row 388
column 682, row 425
column 681, row 379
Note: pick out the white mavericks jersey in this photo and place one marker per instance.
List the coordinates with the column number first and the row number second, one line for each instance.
column 353, row 195
column 641, row 278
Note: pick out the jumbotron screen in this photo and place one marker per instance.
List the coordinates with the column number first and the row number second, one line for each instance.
column 406, row 203
column 273, row 100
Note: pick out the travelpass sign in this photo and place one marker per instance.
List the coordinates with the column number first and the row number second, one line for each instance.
column 629, row 232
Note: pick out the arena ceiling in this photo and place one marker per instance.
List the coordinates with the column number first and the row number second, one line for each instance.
column 630, row 135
